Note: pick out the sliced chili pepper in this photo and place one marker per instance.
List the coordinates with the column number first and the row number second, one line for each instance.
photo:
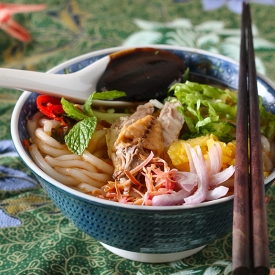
column 26, row 143
column 50, row 106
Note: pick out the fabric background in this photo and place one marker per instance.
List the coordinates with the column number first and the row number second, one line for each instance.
column 35, row 238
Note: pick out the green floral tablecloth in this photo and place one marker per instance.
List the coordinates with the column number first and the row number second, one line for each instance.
column 35, row 238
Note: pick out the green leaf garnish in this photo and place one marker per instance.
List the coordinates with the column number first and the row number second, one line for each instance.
column 71, row 110
column 79, row 136
column 108, row 95
column 87, row 107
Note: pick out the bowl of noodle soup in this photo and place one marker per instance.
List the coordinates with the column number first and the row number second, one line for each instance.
column 142, row 233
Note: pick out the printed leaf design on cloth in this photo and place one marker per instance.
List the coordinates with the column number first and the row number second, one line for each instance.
column 50, row 243
column 205, row 41
column 152, row 32
column 23, row 202
column 50, row 255
column 70, row 16
column 17, row 256
column 70, row 230
column 5, row 249
column 29, row 246
column 144, row 37
column 150, row 25
column 99, row 261
column 209, row 25
column 260, row 44
column 70, row 250
column 34, row 264
column 213, row 270
column 58, row 269
column 263, row 44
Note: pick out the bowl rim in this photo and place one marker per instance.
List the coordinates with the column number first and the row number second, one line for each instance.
column 33, row 167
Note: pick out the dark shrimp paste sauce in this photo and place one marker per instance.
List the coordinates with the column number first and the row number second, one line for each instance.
column 142, row 73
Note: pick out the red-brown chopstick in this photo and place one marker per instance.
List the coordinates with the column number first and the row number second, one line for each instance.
column 259, row 217
column 250, row 253
column 241, row 214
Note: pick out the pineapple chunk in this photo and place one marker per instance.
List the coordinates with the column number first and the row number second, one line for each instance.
column 179, row 157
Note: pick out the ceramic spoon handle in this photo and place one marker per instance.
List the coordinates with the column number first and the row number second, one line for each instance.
column 76, row 86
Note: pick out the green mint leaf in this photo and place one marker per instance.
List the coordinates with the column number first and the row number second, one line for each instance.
column 71, row 110
column 100, row 96
column 108, row 95
column 87, row 105
column 79, row 136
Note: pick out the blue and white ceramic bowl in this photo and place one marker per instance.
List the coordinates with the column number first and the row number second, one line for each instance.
column 147, row 234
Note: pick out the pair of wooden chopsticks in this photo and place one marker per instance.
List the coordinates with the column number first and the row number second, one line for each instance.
column 250, row 253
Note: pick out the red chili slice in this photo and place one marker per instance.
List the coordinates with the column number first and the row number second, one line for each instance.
column 50, row 106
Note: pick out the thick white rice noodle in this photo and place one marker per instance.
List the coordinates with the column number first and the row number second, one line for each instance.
column 87, row 172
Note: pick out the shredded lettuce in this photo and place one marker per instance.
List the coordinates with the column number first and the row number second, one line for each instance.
column 207, row 110
column 211, row 110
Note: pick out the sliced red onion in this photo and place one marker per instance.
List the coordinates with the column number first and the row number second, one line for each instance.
column 217, row 193
column 203, row 177
column 215, row 157
column 222, row 176
column 185, row 180
column 170, row 199
column 190, row 159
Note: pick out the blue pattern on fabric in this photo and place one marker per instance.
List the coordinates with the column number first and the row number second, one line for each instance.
column 6, row 220
column 11, row 179
column 7, row 148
